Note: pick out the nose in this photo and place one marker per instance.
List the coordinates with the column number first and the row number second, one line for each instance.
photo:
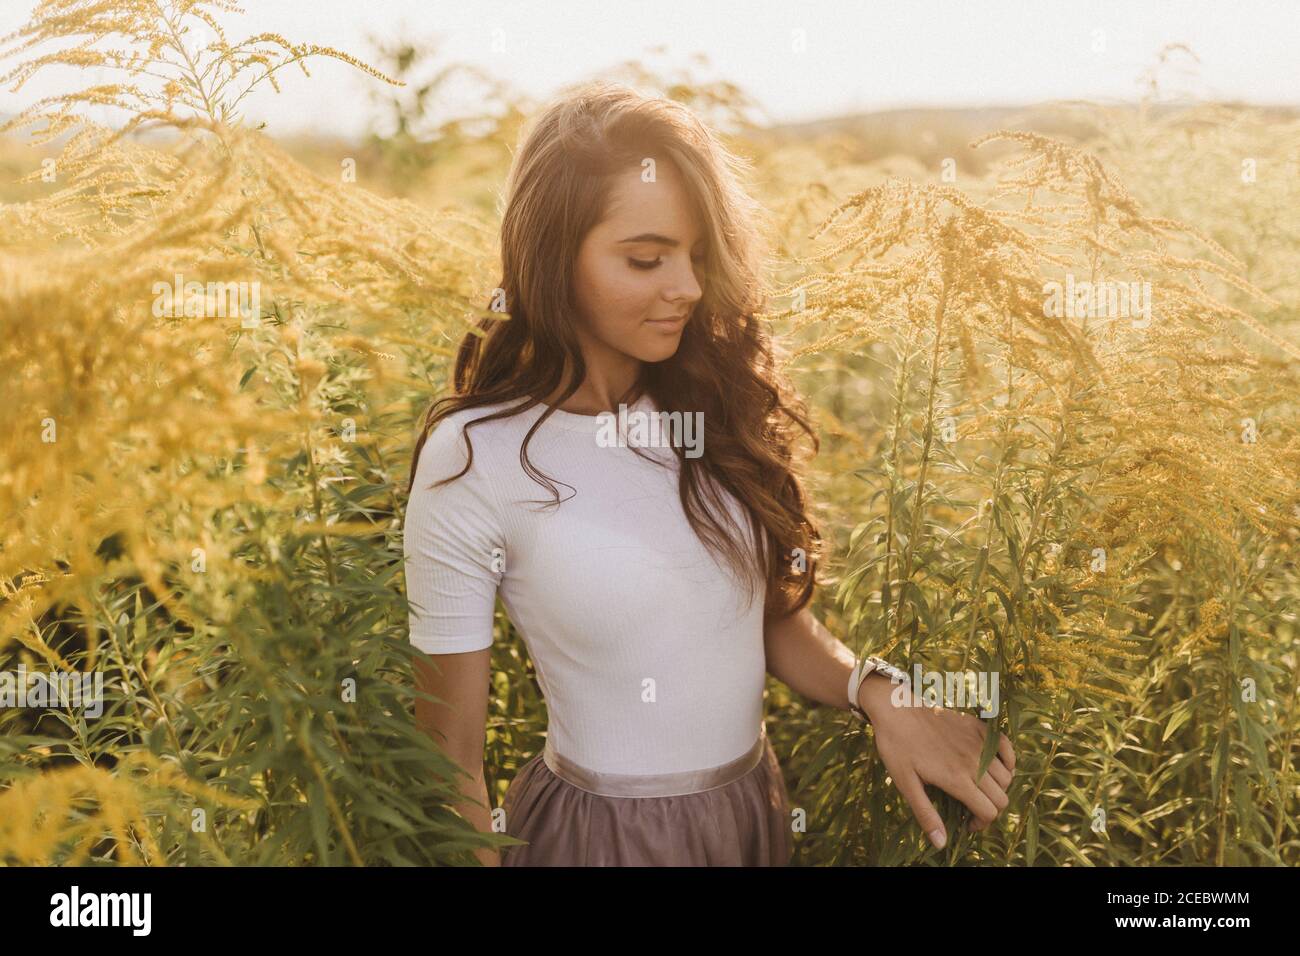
column 684, row 288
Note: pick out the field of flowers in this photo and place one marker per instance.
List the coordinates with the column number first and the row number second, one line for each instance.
column 1056, row 379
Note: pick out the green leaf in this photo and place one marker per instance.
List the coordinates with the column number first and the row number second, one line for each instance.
column 1031, row 835
column 978, row 570
column 1219, row 761
column 1179, row 717
column 1006, row 603
column 913, row 595
column 831, row 747
column 319, row 823
column 1074, row 849
column 1013, row 549
column 992, row 737
column 859, row 531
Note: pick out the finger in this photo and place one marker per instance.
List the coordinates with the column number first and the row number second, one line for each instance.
column 997, row 796
column 1006, row 752
column 913, row 791
column 976, row 800
column 999, row 772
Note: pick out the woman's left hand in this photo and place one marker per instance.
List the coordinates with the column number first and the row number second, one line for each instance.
column 934, row 745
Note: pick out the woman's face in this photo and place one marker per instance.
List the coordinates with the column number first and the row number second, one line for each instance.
column 637, row 268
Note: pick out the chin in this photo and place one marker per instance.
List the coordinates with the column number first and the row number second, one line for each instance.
column 659, row 351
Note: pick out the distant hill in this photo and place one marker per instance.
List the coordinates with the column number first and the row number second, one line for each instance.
column 932, row 134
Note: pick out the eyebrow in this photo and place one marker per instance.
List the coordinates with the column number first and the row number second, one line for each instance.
column 656, row 238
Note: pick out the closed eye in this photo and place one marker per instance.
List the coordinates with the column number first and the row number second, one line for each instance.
column 647, row 264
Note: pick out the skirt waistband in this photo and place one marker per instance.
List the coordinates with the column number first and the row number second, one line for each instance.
column 654, row 784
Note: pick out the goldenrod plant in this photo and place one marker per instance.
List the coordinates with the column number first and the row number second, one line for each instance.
column 211, row 360
column 1064, row 481
column 1057, row 396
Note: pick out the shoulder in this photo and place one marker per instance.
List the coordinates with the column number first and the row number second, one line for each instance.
column 446, row 449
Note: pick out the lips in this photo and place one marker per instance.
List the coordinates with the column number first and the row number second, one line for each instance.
column 674, row 320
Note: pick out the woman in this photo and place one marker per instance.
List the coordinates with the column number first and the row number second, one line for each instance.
column 677, row 569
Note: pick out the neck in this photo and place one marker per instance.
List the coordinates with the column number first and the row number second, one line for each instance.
column 603, row 390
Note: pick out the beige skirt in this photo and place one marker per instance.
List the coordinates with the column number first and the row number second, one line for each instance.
column 744, row 822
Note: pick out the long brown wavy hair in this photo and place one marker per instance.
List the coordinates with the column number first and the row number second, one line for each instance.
column 557, row 190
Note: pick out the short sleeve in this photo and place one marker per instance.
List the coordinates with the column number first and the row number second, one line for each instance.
column 452, row 543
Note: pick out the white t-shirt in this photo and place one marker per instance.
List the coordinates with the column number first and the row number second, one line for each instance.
column 647, row 652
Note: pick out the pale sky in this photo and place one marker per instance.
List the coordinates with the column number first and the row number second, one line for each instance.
column 800, row 59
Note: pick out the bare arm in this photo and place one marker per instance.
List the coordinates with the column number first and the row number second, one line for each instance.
column 459, row 726
column 802, row 654
column 918, row 745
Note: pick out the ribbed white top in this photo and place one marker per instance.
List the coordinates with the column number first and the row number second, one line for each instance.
column 649, row 658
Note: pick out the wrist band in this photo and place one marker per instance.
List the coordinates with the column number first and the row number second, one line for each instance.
column 861, row 670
